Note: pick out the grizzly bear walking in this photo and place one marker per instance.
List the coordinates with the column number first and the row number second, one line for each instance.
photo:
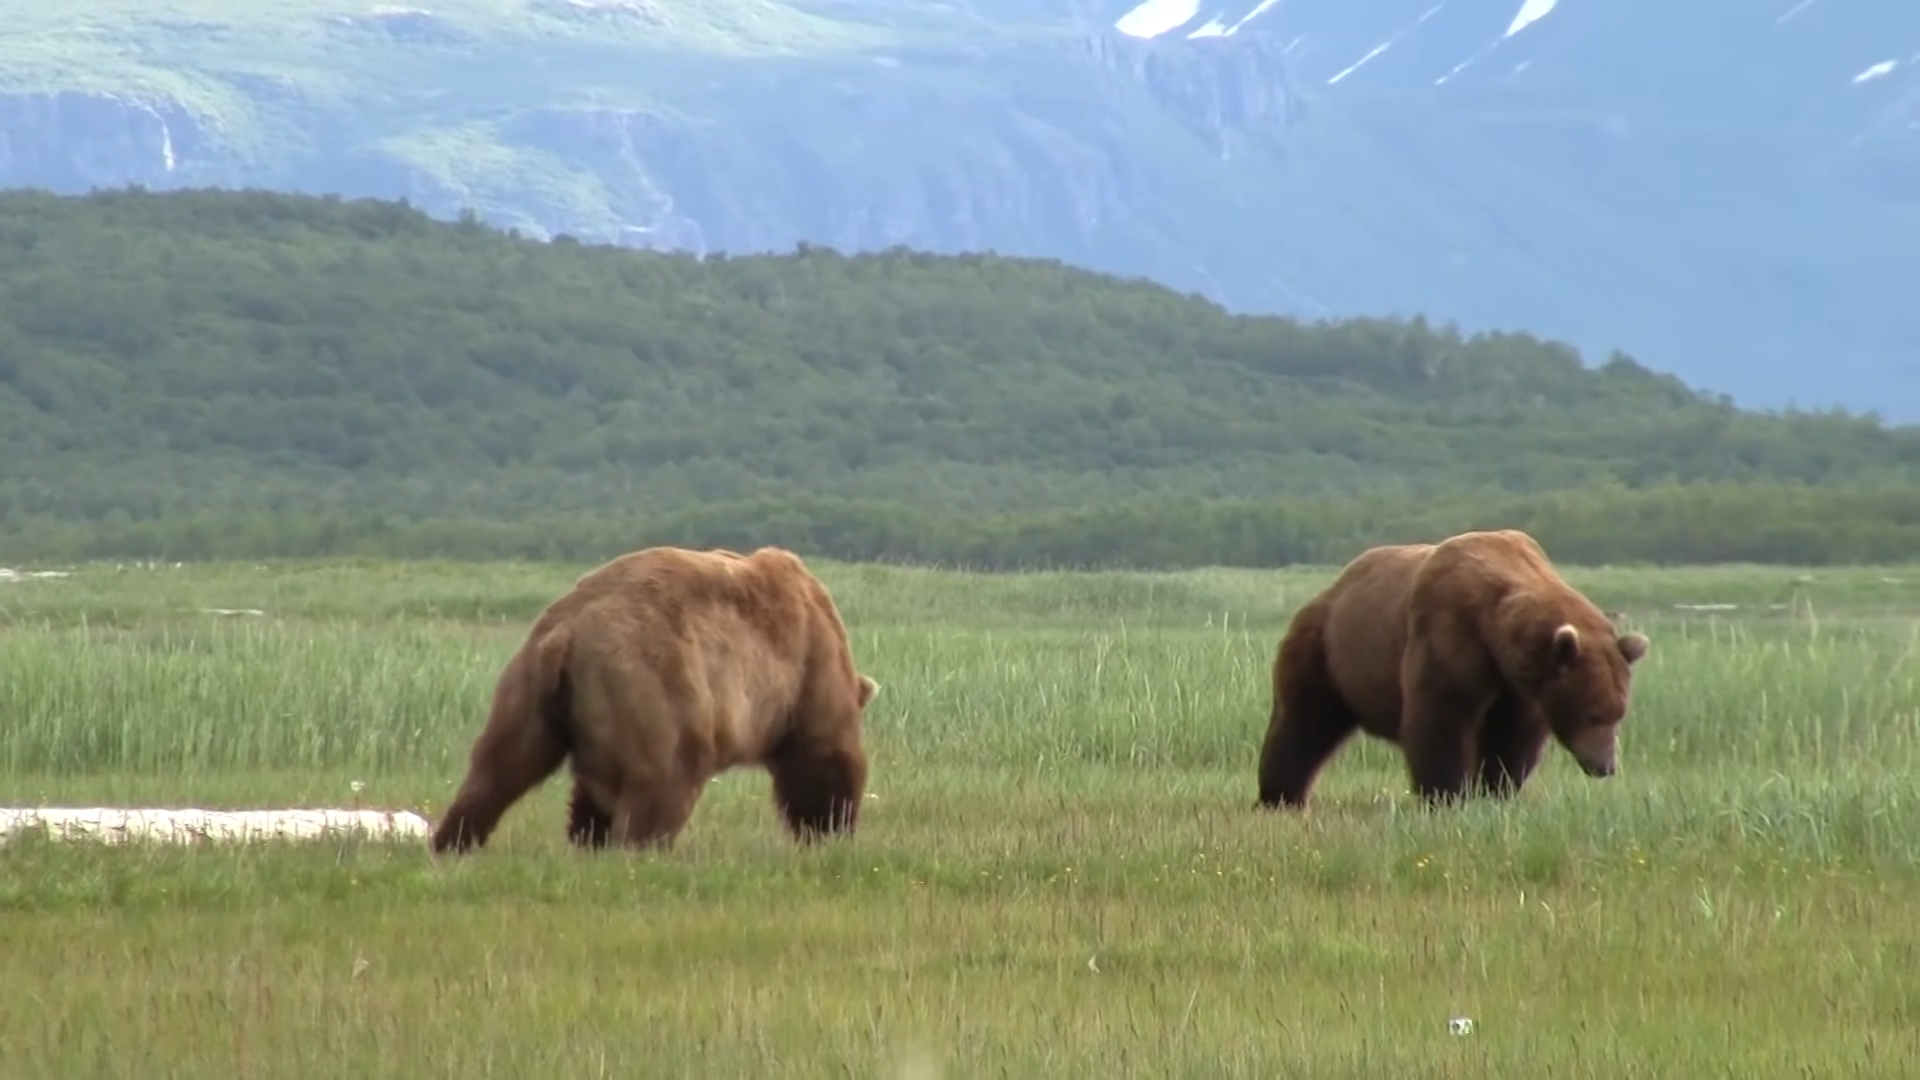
column 656, row 672
column 1468, row 654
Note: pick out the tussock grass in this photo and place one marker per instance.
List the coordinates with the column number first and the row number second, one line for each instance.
column 1059, row 874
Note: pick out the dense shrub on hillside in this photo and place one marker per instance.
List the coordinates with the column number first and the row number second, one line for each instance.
column 1699, row 523
column 229, row 365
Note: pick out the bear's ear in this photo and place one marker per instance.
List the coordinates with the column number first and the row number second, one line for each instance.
column 1633, row 646
column 868, row 688
column 1566, row 645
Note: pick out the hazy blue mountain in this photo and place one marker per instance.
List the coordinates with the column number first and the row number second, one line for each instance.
column 1726, row 189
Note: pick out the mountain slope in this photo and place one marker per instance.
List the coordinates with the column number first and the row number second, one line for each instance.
column 1726, row 190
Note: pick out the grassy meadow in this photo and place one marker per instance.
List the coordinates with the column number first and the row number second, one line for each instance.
column 1058, row 873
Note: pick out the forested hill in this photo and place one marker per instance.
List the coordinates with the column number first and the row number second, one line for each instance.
column 175, row 366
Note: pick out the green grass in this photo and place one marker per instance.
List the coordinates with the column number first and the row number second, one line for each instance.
column 1059, row 874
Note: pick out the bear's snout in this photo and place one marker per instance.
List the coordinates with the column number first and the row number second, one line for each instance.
column 1599, row 770
column 1597, row 757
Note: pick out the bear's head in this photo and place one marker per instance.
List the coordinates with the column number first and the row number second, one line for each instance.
column 1584, row 696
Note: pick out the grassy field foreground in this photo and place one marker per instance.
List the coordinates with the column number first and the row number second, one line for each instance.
column 1059, row 873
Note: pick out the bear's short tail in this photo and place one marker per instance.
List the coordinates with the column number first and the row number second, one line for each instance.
column 552, row 690
column 528, row 734
column 534, row 697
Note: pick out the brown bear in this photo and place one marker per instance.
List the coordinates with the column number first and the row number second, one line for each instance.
column 660, row 670
column 1468, row 654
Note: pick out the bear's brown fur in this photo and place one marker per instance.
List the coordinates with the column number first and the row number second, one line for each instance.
column 658, row 671
column 1468, row 654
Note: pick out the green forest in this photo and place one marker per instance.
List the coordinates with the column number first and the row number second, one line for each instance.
column 195, row 374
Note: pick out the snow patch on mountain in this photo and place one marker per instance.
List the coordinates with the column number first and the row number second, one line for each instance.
column 1531, row 11
column 1388, row 44
column 1156, row 17
column 1794, row 10
column 1261, row 9
column 1201, row 19
column 1878, row 71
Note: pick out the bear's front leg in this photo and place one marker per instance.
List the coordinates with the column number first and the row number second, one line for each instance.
column 1447, row 692
column 1440, row 758
column 818, row 786
column 1510, row 748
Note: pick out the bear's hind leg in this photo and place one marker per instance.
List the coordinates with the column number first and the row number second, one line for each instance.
column 652, row 815
column 818, row 788
column 1308, row 724
column 1510, row 748
column 1300, row 740
column 511, row 757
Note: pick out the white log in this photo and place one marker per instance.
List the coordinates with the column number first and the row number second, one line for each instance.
column 114, row 825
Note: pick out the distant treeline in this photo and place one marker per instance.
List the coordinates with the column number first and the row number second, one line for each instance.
column 198, row 373
column 1666, row 524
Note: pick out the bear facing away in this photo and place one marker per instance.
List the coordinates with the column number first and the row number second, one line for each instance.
column 1469, row 654
column 656, row 672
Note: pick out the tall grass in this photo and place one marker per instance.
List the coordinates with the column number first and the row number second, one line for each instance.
column 1059, row 873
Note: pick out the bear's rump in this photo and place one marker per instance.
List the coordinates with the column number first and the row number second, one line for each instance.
column 712, row 647
column 746, row 685
column 624, row 726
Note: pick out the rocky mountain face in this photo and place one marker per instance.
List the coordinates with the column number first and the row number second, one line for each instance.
column 1726, row 189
